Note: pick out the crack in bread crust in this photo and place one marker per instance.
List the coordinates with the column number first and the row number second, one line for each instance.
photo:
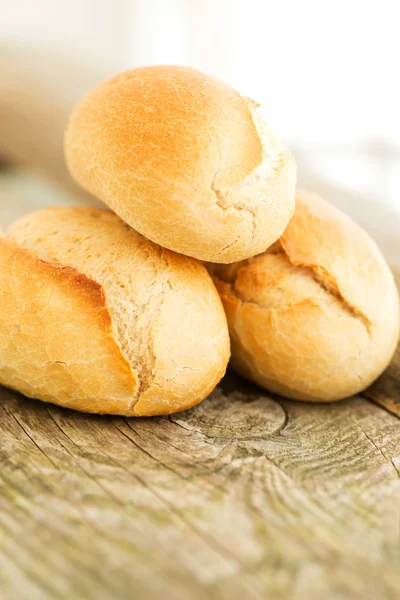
column 32, row 312
column 145, row 362
column 269, row 167
column 329, row 283
column 321, row 276
column 223, row 204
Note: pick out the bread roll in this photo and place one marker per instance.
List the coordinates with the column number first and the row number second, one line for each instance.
column 95, row 317
column 316, row 317
column 185, row 160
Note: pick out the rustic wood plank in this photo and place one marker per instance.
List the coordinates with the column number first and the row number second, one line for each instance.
column 246, row 495
column 386, row 390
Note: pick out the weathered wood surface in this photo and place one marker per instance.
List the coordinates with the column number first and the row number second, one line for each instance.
column 244, row 496
column 386, row 390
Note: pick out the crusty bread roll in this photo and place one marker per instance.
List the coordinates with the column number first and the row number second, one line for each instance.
column 185, row 160
column 97, row 318
column 316, row 317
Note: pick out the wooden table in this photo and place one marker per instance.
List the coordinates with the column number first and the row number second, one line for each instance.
column 245, row 496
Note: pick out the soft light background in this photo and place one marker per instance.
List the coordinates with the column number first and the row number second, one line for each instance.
column 326, row 74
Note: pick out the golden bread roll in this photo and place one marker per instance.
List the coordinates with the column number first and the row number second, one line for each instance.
column 185, row 160
column 95, row 317
column 316, row 316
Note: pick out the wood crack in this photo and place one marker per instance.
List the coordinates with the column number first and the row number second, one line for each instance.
column 30, row 438
column 78, row 463
column 280, row 430
column 179, row 514
column 387, row 460
column 139, row 447
column 41, row 482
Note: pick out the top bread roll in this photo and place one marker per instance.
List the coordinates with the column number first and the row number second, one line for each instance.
column 185, row 160
column 316, row 316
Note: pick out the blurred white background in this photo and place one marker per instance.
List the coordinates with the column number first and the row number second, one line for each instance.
column 326, row 74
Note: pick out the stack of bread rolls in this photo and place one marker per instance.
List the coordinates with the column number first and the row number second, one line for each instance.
column 119, row 312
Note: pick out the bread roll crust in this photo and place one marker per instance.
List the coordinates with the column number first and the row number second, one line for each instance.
column 89, row 314
column 315, row 317
column 185, row 160
column 46, row 310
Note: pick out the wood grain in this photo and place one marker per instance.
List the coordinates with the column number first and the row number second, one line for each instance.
column 244, row 496
column 386, row 390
